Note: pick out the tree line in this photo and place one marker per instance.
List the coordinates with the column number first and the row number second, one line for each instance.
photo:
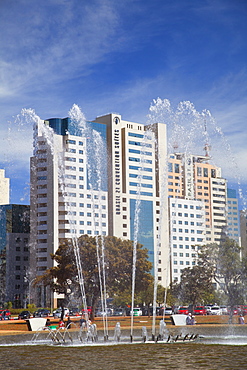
column 219, row 274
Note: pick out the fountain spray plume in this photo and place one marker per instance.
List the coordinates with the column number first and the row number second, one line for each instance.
column 94, row 146
column 136, row 230
column 191, row 131
column 41, row 129
column 145, row 142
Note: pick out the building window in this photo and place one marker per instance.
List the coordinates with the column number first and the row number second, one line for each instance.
column 71, row 142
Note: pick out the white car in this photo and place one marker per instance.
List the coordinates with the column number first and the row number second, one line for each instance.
column 136, row 311
column 168, row 311
column 58, row 312
column 215, row 310
column 224, row 310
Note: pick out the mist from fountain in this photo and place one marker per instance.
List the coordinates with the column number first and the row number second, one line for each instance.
column 148, row 135
column 190, row 131
column 78, row 119
column 94, row 148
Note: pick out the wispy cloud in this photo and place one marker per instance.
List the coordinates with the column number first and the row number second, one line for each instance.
column 46, row 45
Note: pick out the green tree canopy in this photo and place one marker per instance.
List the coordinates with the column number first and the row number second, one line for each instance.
column 118, row 256
column 195, row 285
column 220, row 264
column 228, row 269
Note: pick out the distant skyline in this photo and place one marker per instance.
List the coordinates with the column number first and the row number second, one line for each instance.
column 109, row 56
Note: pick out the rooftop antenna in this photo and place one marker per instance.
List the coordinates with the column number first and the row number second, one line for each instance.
column 207, row 146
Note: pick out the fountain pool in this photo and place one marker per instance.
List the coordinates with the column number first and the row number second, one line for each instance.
column 215, row 350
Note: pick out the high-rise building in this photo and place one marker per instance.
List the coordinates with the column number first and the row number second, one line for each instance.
column 197, row 199
column 188, row 232
column 243, row 231
column 15, row 253
column 4, row 188
column 233, row 225
column 93, row 180
column 193, row 177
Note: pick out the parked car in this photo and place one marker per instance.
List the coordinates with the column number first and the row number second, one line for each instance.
column 208, row 308
column 233, row 311
column 215, row 310
column 41, row 312
column 103, row 313
column 183, row 310
column 23, row 315
column 89, row 310
column 224, row 310
column 137, row 311
column 168, row 311
column 199, row 310
column 58, row 312
column 5, row 315
column 119, row 312
column 244, row 310
column 74, row 311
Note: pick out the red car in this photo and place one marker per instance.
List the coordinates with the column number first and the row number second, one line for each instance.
column 183, row 310
column 244, row 310
column 199, row 310
column 5, row 315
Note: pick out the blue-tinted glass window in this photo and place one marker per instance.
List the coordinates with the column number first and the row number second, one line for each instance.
column 145, row 235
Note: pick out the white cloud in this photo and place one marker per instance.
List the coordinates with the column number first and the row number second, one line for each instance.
column 40, row 47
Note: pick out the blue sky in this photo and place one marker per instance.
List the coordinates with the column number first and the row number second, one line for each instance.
column 117, row 56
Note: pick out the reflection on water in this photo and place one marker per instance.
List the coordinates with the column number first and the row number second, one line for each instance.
column 131, row 356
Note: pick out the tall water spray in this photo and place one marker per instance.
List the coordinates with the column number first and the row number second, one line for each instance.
column 94, row 180
column 95, row 146
column 148, row 136
column 190, row 132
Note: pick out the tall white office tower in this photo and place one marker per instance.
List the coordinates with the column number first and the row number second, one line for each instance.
column 67, row 200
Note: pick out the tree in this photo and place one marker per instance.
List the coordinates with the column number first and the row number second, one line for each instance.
column 118, row 256
column 228, row 269
column 195, row 285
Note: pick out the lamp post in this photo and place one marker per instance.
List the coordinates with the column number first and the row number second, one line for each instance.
column 26, row 279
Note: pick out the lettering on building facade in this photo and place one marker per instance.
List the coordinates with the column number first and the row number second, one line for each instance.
column 117, row 171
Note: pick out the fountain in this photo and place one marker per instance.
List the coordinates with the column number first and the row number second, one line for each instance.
column 89, row 334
